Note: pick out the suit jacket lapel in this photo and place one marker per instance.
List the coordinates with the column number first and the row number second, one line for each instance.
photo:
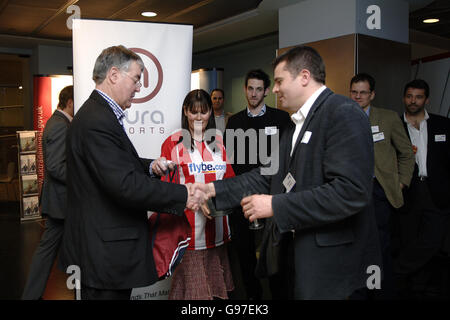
column 320, row 99
column 97, row 97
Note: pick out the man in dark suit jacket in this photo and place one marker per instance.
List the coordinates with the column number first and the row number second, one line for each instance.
column 394, row 165
column 262, row 124
column 53, row 197
column 110, row 188
column 424, row 221
column 320, row 197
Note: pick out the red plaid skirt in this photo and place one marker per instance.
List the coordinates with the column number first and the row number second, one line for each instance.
column 202, row 275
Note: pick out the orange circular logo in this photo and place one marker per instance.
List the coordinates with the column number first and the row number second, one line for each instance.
column 146, row 76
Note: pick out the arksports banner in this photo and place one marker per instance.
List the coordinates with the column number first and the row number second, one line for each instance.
column 166, row 51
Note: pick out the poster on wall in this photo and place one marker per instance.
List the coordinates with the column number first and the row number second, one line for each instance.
column 155, row 113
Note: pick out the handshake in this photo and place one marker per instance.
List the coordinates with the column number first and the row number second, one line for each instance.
column 198, row 195
column 254, row 206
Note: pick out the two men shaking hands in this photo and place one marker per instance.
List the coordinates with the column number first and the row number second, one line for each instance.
column 254, row 206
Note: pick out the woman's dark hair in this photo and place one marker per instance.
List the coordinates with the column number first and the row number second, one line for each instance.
column 197, row 100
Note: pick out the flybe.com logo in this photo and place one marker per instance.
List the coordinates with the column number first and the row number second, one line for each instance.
column 205, row 167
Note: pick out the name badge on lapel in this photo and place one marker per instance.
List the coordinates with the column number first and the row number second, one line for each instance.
column 375, row 129
column 289, row 182
column 270, row 131
column 440, row 138
column 306, row 137
column 378, row 137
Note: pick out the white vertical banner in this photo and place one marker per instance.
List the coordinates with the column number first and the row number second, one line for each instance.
column 155, row 113
column 166, row 50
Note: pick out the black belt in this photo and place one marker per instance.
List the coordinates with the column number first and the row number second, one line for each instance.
column 422, row 178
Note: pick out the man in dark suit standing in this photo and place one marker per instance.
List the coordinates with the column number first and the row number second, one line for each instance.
column 53, row 198
column 319, row 199
column 424, row 221
column 394, row 165
column 266, row 124
column 110, row 187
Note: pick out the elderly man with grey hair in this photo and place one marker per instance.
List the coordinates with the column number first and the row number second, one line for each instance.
column 110, row 188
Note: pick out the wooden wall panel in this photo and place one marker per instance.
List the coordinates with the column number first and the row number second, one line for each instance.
column 339, row 55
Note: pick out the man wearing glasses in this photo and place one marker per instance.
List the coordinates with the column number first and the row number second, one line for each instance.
column 110, row 188
column 394, row 166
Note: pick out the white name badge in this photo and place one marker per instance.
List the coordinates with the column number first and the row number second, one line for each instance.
column 378, row 137
column 289, row 182
column 270, row 131
column 440, row 138
column 375, row 129
column 306, row 136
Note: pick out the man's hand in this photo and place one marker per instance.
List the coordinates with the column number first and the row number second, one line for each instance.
column 257, row 206
column 161, row 166
column 208, row 191
column 197, row 199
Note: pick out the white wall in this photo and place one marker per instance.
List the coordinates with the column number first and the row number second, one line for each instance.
column 315, row 20
column 436, row 74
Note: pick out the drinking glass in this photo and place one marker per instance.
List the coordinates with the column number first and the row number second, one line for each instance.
column 255, row 225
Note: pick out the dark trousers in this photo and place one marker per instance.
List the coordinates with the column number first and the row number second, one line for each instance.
column 88, row 293
column 422, row 229
column 383, row 215
column 243, row 243
column 43, row 259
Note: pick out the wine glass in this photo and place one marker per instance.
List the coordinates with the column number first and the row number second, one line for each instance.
column 255, row 225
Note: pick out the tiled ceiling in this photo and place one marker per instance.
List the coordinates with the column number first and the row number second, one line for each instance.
column 47, row 18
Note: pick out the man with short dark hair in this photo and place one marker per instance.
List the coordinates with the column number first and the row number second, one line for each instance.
column 394, row 165
column 53, row 197
column 266, row 123
column 424, row 221
column 110, row 188
column 318, row 203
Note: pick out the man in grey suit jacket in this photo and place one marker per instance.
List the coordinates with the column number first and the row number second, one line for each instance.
column 319, row 199
column 53, row 197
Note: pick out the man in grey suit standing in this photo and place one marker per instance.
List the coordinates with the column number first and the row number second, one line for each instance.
column 53, row 198
column 319, row 201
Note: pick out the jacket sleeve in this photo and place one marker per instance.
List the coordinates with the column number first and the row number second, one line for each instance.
column 346, row 174
column 114, row 167
column 403, row 147
column 229, row 192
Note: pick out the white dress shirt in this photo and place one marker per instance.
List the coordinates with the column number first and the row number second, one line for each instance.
column 419, row 139
column 300, row 116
